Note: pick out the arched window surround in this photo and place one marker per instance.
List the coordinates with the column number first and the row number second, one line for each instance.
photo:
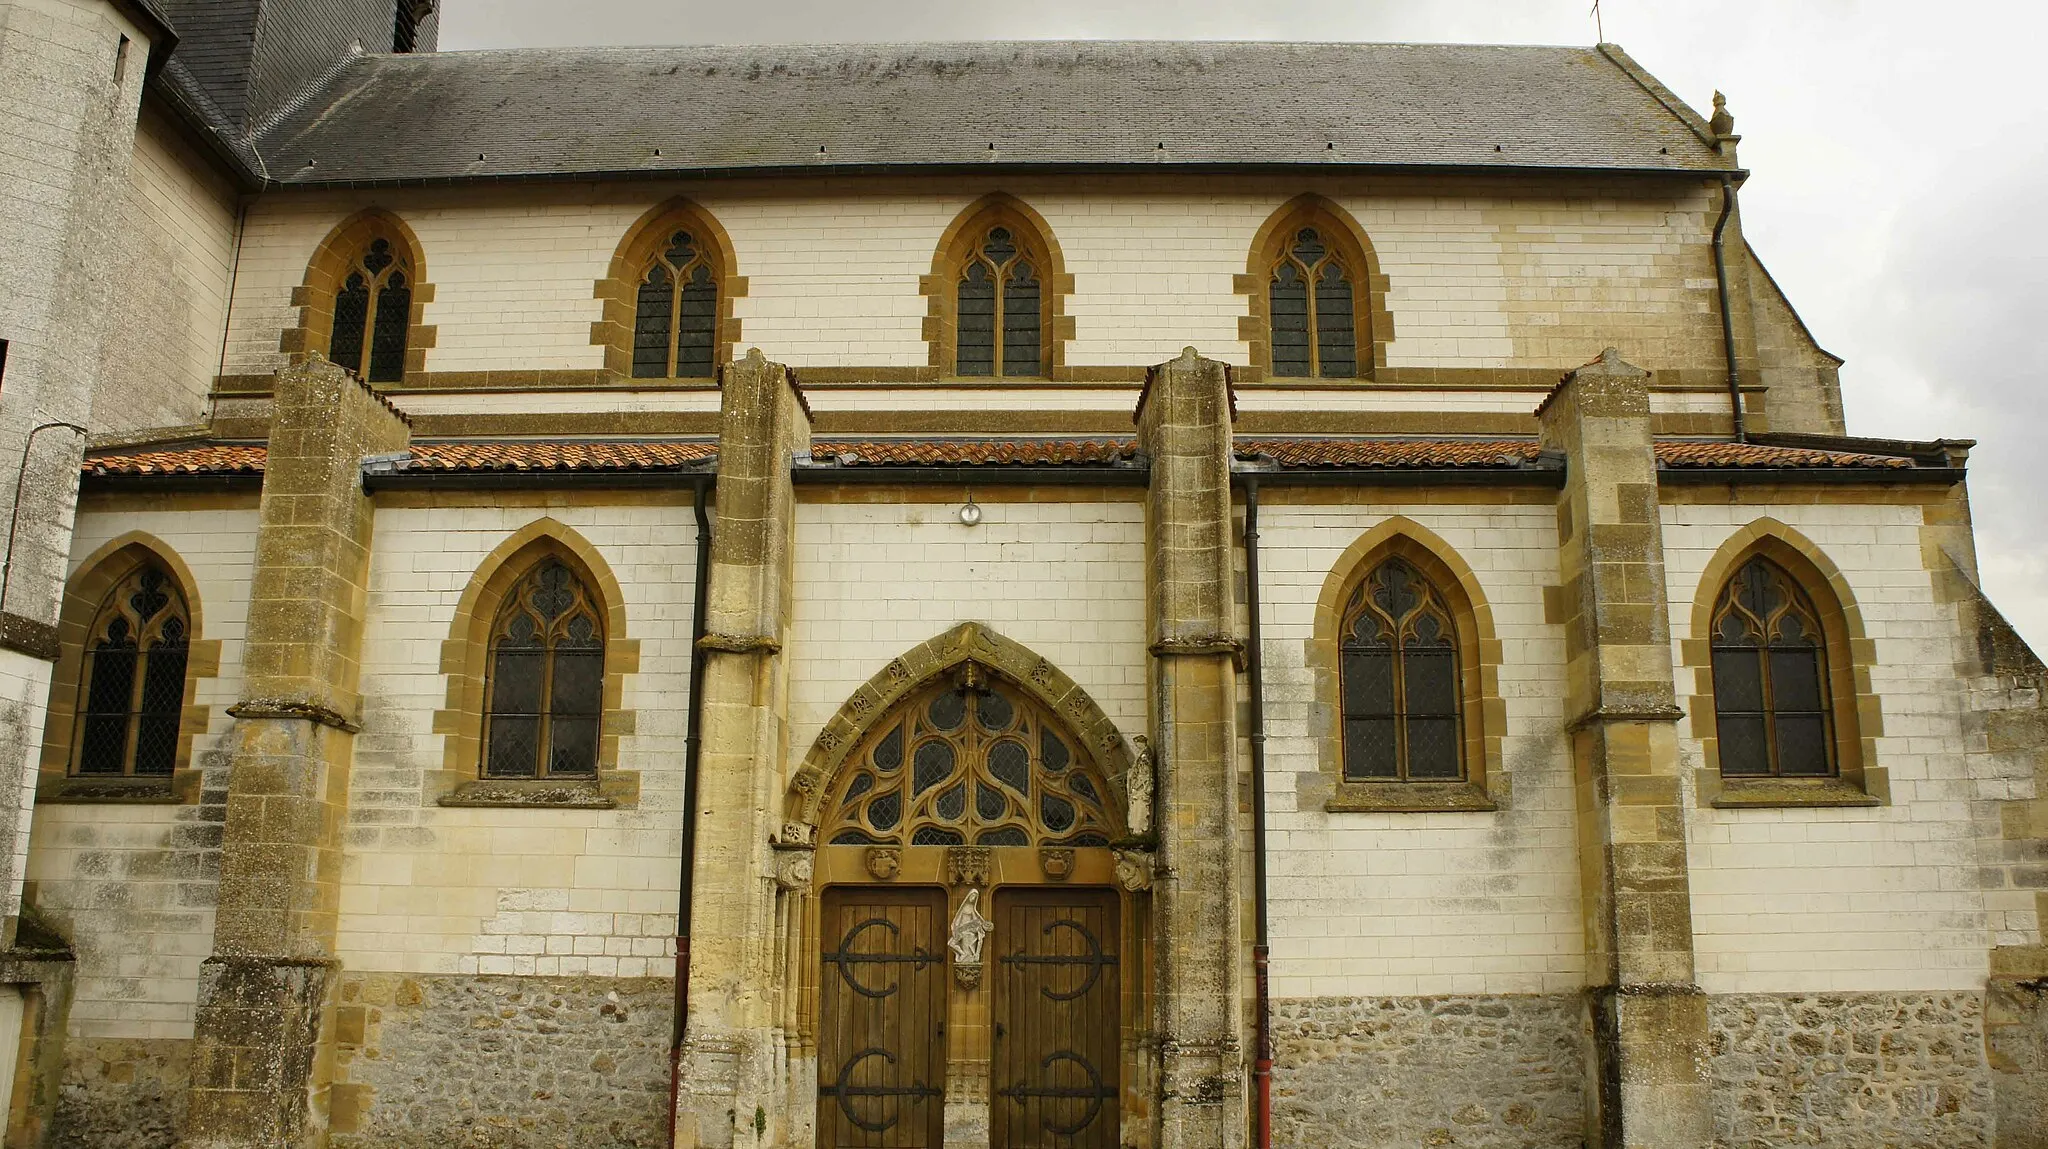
column 1483, row 714
column 465, row 661
column 619, row 290
column 1372, row 322
column 958, row 246
column 96, row 577
column 329, row 268
column 1854, row 706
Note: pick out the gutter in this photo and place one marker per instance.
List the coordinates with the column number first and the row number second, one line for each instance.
column 1134, row 474
column 693, row 752
column 1737, row 476
column 376, row 477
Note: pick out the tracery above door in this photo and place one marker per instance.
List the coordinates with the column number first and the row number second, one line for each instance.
column 968, row 760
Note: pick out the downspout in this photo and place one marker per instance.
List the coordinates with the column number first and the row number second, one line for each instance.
column 693, row 745
column 1262, row 1054
column 1727, row 319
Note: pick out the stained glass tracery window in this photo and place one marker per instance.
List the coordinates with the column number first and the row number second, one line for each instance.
column 546, row 684
column 1399, row 680
column 1312, row 309
column 132, row 679
column 1000, row 320
column 675, row 323
column 373, row 314
column 1771, row 710
column 957, row 766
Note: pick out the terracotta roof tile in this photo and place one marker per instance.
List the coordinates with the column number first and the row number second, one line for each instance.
column 559, row 456
column 195, row 459
column 1730, row 454
column 1392, row 452
column 975, row 452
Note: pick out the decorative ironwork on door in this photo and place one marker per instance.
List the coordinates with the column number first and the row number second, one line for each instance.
column 1058, row 1009
column 882, row 1041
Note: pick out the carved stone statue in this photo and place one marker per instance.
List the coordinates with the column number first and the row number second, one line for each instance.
column 1139, row 785
column 970, row 930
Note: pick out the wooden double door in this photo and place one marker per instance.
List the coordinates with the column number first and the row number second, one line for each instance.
column 1046, row 1013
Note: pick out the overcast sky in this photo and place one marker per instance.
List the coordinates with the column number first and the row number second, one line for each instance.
column 1899, row 152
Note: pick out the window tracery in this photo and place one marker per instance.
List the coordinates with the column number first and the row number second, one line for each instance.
column 1771, row 708
column 373, row 313
column 132, row 685
column 970, row 765
column 1000, row 317
column 1313, row 310
column 675, row 325
column 1399, row 680
column 546, row 678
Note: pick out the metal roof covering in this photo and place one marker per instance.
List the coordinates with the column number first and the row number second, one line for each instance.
column 1121, row 105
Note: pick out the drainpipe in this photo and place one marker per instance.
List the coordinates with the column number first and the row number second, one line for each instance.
column 693, row 745
column 1262, row 1055
column 1727, row 319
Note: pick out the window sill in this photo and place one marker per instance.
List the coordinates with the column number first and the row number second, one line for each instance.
column 1772, row 793
column 1409, row 798
column 517, row 793
column 110, row 791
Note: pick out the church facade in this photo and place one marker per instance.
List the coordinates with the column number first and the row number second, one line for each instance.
column 1084, row 595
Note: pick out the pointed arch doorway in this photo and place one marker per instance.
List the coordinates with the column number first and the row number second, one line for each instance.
column 978, row 967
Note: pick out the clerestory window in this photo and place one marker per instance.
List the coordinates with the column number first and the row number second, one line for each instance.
column 675, row 324
column 1313, row 310
column 1000, row 315
column 373, row 314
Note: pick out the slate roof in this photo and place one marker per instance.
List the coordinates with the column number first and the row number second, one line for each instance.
column 1005, row 105
column 614, row 455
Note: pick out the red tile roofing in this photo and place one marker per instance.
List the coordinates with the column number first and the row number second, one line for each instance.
column 546, row 456
column 1730, row 454
column 1391, row 452
column 974, row 452
column 196, row 459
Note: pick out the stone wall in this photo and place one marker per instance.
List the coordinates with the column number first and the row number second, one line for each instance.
column 121, row 1094
column 1850, row 1069
column 501, row 1062
column 1478, row 1071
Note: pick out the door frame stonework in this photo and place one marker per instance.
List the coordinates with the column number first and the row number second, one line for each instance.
column 806, row 868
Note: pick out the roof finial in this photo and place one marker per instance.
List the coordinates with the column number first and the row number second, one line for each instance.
column 1723, row 124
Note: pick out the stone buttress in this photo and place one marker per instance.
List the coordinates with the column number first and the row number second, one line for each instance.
column 260, row 1063
column 1650, row 1057
column 732, row 1077
column 1184, row 426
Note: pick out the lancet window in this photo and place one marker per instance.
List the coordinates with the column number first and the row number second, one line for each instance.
column 373, row 314
column 1001, row 315
column 132, row 684
column 971, row 763
column 1399, row 678
column 1313, row 310
column 675, row 324
column 546, row 678
column 1771, row 710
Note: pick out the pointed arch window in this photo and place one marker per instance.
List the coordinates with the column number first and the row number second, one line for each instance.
column 132, row 682
column 1771, row 708
column 1313, row 307
column 546, row 678
column 970, row 763
column 675, row 323
column 373, row 314
column 1400, row 680
column 1000, row 310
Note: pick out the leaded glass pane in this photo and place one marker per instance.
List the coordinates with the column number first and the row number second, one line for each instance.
column 351, row 317
column 516, row 678
column 1022, row 329
column 103, row 746
column 889, row 751
column 163, row 699
column 933, row 764
column 1308, row 246
column 885, row 811
column 975, row 322
column 1000, row 246
column 1432, row 682
column 1336, row 335
column 579, row 683
column 934, row 836
column 1287, row 306
column 1742, row 744
column 989, row 803
column 1369, row 749
column 514, row 747
column 1802, row 745
column 387, row 342
column 1052, row 751
column 1368, row 683
column 652, row 320
column 1738, row 680
column 1433, row 748
column 1080, row 785
column 1795, row 680
column 697, row 326
column 1003, row 836
column 1056, row 812
column 994, row 712
column 952, row 805
column 572, row 746
column 861, row 784
column 1011, row 764
column 947, row 710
